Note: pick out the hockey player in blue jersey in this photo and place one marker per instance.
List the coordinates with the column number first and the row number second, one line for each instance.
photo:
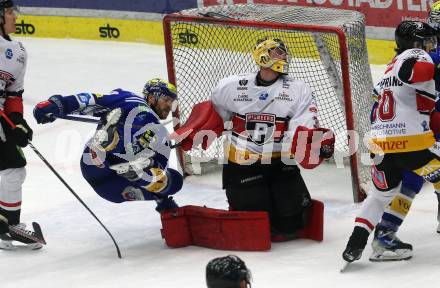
column 127, row 158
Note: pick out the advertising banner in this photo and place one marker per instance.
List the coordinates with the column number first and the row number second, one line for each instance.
column 148, row 6
column 379, row 13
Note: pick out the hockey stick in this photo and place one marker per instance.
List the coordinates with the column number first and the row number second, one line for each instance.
column 81, row 119
column 96, row 120
column 2, row 114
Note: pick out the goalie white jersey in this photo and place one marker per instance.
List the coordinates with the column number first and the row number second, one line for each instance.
column 264, row 118
column 400, row 116
column 12, row 69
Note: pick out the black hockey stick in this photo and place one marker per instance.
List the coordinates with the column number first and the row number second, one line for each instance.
column 2, row 114
column 96, row 121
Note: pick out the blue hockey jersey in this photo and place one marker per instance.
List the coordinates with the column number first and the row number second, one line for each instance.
column 138, row 132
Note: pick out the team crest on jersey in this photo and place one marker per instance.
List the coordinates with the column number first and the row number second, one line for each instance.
column 260, row 127
column 6, row 76
column 132, row 194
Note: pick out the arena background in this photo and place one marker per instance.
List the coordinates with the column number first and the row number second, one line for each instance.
column 140, row 20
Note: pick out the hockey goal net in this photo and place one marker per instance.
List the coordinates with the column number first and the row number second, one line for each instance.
column 327, row 50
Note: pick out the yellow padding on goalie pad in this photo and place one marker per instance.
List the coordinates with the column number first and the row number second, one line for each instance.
column 400, row 205
column 159, row 181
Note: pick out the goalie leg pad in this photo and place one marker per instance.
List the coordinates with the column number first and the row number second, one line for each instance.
column 218, row 229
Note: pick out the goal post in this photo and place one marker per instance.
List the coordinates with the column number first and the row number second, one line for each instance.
column 327, row 50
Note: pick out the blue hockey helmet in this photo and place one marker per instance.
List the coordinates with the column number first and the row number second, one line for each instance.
column 158, row 87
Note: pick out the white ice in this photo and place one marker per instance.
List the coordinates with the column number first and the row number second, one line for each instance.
column 80, row 254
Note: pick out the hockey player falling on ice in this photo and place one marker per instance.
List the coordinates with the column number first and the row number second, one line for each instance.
column 127, row 158
column 405, row 98
column 269, row 111
column 12, row 161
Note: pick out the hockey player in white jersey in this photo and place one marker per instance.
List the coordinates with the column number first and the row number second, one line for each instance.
column 273, row 117
column 12, row 161
column 404, row 121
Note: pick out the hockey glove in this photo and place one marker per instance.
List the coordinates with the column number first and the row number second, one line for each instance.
column 312, row 145
column 48, row 111
column 21, row 134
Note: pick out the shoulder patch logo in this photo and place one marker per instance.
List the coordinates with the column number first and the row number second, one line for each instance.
column 9, row 54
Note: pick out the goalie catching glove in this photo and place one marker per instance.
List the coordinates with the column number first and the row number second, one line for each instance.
column 312, row 145
column 204, row 119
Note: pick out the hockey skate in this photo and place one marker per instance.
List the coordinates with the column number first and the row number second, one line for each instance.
column 32, row 240
column 387, row 247
column 166, row 203
column 355, row 246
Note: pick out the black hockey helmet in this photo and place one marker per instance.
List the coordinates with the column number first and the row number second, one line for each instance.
column 415, row 34
column 6, row 4
column 227, row 272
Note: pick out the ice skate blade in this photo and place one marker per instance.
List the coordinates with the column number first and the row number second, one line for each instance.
column 391, row 256
column 344, row 266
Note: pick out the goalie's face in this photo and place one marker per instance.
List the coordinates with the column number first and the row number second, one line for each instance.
column 162, row 106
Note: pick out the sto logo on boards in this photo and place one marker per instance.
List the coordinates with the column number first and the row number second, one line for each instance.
column 188, row 38
column 109, row 32
column 24, row 28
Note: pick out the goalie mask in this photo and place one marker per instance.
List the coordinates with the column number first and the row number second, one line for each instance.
column 415, row 34
column 272, row 53
column 228, row 271
column 164, row 94
column 434, row 16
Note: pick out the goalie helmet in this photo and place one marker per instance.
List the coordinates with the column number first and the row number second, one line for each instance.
column 434, row 16
column 227, row 272
column 158, row 87
column 415, row 34
column 263, row 58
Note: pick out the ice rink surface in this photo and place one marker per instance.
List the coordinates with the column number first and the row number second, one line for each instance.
column 80, row 254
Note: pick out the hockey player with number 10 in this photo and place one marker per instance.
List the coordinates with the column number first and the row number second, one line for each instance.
column 127, row 158
column 405, row 98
